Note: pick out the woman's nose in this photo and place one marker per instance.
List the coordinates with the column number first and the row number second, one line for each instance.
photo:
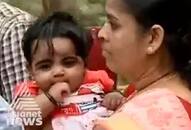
column 102, row 34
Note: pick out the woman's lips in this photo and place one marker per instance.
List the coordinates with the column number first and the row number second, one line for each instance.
column 105, row 53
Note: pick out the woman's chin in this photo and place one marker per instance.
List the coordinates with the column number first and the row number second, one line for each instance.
column 109, row 62
column 114, row 68
column 110, row 66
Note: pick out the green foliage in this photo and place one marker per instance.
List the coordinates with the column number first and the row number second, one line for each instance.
column 88, row 12
column 92, row 12
column 32, row 6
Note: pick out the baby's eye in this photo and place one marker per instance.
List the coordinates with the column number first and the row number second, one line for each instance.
column 70, row 61
column 44, row 67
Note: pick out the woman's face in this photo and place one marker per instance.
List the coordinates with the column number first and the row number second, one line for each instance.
column 123, row 40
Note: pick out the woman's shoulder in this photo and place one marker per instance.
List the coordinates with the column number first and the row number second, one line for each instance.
column 158, row 108
column 160, row 97
column 154, row 96
column 186, row 105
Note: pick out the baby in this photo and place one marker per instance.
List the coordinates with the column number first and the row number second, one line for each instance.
column 68, row 94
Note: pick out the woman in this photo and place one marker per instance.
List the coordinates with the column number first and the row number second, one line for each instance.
column 149, row 43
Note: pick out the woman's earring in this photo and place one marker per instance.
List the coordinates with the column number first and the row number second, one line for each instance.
column 150, row 50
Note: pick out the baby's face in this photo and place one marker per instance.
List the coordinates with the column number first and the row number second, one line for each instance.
column 63, row 65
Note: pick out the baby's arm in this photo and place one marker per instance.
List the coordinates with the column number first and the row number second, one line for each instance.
column 44, row 103
column 46, row 107
column 47, row 101
column 113, row 98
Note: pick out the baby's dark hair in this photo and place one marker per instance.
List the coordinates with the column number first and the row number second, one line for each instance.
column 59, row 24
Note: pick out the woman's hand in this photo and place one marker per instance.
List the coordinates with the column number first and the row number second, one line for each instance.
column 117, row 121
column 112, row 100
column 99, row 127
column 100, row 124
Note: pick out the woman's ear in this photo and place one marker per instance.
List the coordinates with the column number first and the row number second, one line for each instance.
column 156, row 39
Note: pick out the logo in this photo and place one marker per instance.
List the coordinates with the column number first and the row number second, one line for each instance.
column 26, row 110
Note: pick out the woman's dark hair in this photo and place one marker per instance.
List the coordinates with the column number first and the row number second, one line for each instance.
column 59, row 24
column 175, row 18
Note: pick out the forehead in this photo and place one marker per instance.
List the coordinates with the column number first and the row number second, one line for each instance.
column 58, row 46
column 115, row 6
column 116, row 10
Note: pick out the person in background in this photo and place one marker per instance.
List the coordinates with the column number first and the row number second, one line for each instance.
column 149, row 43
column 13, row 23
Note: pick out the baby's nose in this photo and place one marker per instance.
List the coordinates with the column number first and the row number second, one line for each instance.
column 58, row 72
column 59, row 77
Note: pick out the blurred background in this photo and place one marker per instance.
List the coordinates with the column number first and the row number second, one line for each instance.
column 87, row 12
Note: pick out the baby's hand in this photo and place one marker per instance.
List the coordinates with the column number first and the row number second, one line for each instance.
column 112, row 100
column 59, row 90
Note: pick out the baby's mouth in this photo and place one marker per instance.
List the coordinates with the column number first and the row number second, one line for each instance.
column 65, row 94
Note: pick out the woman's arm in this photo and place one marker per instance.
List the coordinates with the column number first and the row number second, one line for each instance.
column 118, row 121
